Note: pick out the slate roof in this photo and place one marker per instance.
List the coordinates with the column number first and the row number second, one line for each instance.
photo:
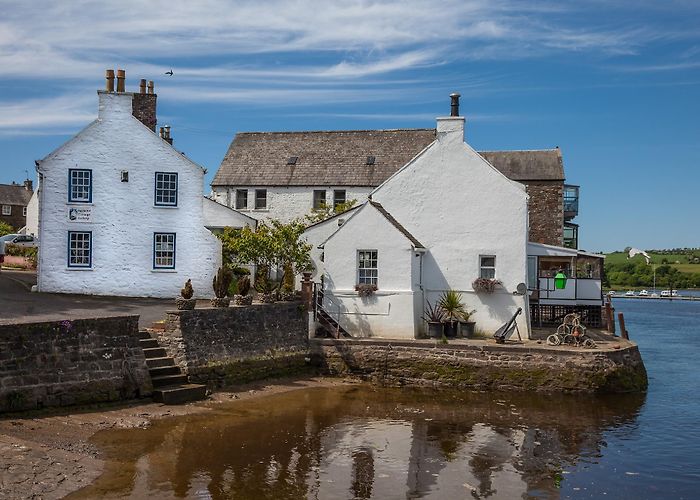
column 14, row 194
column 339, row 158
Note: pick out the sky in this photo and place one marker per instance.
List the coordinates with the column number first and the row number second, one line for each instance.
column 614, row 83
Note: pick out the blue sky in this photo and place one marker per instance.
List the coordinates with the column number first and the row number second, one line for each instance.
column 614, row 83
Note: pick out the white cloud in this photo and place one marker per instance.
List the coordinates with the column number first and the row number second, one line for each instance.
column 45, row 115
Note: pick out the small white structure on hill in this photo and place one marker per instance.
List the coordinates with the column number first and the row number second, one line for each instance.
column 444, row 219
column 121, row 211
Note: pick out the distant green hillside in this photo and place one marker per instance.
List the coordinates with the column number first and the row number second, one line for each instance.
column 677, row 268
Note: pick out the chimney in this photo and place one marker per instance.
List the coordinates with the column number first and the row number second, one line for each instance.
column 165, row 134
column 121, row 76
column 109, row 77
column 451, row 127
column 454, row 105
column 143, row 105
column 29, row 185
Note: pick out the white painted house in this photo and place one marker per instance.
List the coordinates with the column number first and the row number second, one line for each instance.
column 121, row 211
column 444, row 219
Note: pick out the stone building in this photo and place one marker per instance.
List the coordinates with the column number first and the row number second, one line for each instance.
column 284, row 175
column 121, row 211
column 14, row 199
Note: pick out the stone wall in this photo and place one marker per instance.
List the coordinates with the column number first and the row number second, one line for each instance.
column 484, row 366
column 71, row 362
column 546, row 212
column 231, row 345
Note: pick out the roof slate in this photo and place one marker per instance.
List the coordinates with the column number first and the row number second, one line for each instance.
column 339, row 158
column 14, row 194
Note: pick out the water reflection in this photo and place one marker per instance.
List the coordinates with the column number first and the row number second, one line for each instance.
column 360, row 442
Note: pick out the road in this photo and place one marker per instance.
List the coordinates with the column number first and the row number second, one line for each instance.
column 19, row 304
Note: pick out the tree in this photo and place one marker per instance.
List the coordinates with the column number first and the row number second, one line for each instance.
column 328, row 211
column 5, row 228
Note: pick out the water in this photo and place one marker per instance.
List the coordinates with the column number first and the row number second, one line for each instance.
column 363, row 442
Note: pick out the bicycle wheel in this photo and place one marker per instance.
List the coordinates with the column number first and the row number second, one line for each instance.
column 589, row 344
column 553, row 339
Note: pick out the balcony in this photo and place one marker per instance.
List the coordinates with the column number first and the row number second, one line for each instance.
column 570, row 201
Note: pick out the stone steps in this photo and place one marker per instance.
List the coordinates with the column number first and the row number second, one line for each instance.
column 170, row 385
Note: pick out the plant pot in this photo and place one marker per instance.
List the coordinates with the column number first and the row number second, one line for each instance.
column 466, row 329
column 451, row 329
column 267, row 298
column 184, row 304
column 435, row 329
column 220, row 302
column 243, row 300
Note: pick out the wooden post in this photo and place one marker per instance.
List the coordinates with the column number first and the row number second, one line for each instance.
column 307, row 291
column 609, row 315
column 623, row 330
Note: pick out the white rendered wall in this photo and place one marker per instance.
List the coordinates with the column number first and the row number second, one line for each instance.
column 124, row 217
column 286, row 203
column 32, row 225
column 218, row 216
column 317, row 234
column 390, row 311
column 460, row 207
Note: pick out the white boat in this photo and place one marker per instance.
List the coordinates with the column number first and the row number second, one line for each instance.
column 611, row 292
column 666, row 293
column 629, row 293
column 643, row 293
column 654, row 294
column 674, row 293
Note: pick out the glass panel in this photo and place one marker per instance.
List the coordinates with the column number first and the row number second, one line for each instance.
column 319, row 199
column 260, row 198
column 367, row 267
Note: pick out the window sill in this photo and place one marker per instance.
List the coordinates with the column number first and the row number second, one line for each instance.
column 79, row 269
column 80, row 203
column 165, row 206
column 164, row 270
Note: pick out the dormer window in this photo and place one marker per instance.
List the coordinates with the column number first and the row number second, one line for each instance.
column 292, row 160
column 370, row 160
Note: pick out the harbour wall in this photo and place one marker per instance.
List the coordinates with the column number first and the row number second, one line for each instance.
column 484, row 366
column 60, row 363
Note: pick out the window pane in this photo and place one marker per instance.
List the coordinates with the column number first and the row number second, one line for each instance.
column 338, row 197
column 319, row 199
column 79, row 249
column 260, row 198
column 166, row 188
column 164, row 250
column 241, row 199
column 367, row 267
column 80, row 185
column 488, row 261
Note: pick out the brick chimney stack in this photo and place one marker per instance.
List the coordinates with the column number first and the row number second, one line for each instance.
column 144, row 105
column 29, row 185
column 165, row 134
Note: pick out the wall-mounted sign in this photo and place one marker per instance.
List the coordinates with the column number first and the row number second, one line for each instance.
column 80, row 214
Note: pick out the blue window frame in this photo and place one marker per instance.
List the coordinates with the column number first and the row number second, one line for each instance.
column 79, row 185
column 80, row 249
column 166, row 189
column 163, row 250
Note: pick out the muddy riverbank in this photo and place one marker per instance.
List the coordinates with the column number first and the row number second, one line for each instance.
column 49, row 454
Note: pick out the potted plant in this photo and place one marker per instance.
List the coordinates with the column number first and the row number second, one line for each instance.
column 185, row 302
column 466, row 326
column 485, row 285
column 221, row 282
column 451, row 303
column 287, row 292
column 264, row 285
column 434, row 316
column 365, row 289
column 242, row 298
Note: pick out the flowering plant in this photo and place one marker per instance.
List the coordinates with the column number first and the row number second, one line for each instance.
column 365, row 289
column 485, row 285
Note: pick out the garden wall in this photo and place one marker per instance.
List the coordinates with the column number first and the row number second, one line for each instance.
column 71, row 362
column 225, row 346
column 485, row 366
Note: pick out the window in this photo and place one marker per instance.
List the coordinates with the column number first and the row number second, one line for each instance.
column 338, row 197
column 6, row 210
column 24, row 211
column 241, row 199
column 163, row 250
column 487, row 264
column 260, row 199
column 79, row 186
column 79, row 249
column 370, row 160
column 319, row 199
column 292, row 160
column 367, row 267
column 166, row 189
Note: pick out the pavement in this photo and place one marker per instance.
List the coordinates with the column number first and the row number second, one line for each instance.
column 19, row 304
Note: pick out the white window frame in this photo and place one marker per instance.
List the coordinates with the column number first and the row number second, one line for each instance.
column 487, row 271
column 163, row 257
column 335, row 197
column 80, row 255
column 368, row 267
column 24, row 211
column 165, row 196
column 79, row 185
column 7, row 210
column 321, row 199
column 239, row 197
column 264, row 206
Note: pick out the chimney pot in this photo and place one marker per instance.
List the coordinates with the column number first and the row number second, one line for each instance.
column 121, row 76
column 142, row 86
column 454, row 105
column 109, row 77
column 150, row 86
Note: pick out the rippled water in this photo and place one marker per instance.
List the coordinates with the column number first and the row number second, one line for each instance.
column 363, row 442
